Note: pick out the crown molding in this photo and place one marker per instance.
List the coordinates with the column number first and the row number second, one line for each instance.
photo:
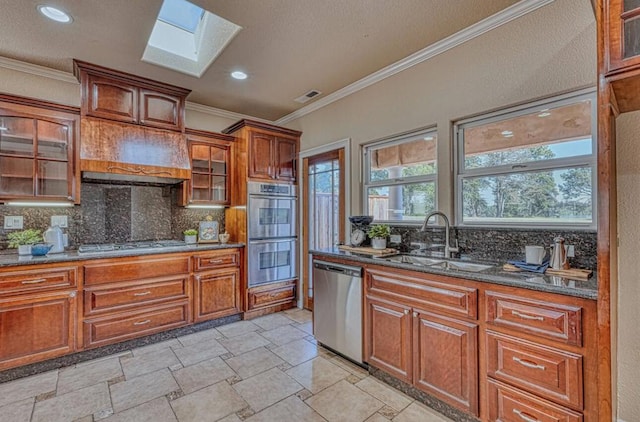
column 37, row 70
column 492, row 22
column 201, row 108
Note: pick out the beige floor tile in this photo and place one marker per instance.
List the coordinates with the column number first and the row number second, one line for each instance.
column 292, row 409
column 317, row 374
column 417, row 412
column 76, row 377
column 377, row 417
column 344, row 402
column 267, row 388
column 17, row 412
column 205, row 350
column 157, row 410
column 202, row 374
column 299, row 315
column 24, row 388
column 191, row 339
column 307, row 327
column 209, row 404
column 232, row 418
column 254, row 362
column 296, row 352
column 384, row 393
column 283, row 335
column 237, row 328
column 73, row 405
column 244, row 343
column 350, row 366
column 148, row 362
column 156, row 346
column 269, row 322
column 135, row 391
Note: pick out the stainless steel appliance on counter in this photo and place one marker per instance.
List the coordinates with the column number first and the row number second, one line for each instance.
column 272, row 233
column 337, row 309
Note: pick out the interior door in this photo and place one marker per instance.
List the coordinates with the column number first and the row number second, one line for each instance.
column 323, row 209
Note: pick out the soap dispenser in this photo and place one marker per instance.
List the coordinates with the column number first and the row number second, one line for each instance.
column 53, row 236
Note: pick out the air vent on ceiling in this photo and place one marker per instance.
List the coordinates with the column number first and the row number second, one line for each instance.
column 306, row 97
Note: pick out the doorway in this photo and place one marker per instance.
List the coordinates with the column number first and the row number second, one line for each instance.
column 323, row 209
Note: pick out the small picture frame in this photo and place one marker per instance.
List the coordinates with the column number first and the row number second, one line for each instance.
column 208, row 232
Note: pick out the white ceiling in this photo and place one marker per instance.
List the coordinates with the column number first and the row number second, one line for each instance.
column 287, row 47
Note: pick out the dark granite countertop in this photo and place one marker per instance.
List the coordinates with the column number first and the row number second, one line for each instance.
column 12, row 259
column 546, row 283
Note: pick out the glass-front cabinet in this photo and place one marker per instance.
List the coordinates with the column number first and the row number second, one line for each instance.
column 36, row 154
column 623, row 34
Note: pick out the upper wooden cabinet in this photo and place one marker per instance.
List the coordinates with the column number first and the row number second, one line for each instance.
column 210, row 155
column 113, row 95
column 267, row 152
column 623, row 34
column 38, row 153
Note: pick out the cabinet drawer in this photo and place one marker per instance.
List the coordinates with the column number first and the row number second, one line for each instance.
column 33, row 280
column 98, row 332
column 99, row 299
column 134, row 269
column 508, row 404
column 450, row 298
column 269, row 297
column 547, row 372
column 217, row 260
column 553, row 321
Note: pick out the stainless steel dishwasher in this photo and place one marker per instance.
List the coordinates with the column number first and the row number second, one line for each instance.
column 337, row 308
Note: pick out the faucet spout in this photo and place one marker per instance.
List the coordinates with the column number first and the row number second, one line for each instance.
column 448, row 249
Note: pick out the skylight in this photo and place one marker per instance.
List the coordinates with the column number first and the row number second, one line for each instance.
column 187, row 38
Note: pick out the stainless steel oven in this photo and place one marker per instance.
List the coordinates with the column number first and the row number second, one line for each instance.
column 272, row 260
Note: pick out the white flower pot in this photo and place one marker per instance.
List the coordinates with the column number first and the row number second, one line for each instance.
column 189, row 240
column 24, row 250
column 379, row 243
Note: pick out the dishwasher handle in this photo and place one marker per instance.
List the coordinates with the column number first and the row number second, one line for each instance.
column 338, row 268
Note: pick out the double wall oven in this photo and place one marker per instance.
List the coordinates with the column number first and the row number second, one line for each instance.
column 272, row 233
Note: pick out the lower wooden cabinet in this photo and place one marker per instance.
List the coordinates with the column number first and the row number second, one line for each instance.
column 36, row 327
column 216, row 294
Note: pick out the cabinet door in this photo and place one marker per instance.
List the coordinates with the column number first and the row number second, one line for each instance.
column 36, row 327
column 286, row 153
column 446, row 359
column 209, row 182
column 160, row 110
column 388, row 337
column 261, row 156
column 110, row 99
column 623, row 34
column 216, row 294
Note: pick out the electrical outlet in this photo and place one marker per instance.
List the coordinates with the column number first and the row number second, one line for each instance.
column 59, row 220
column 13, row 222
column 395, row 238
column 571, row 251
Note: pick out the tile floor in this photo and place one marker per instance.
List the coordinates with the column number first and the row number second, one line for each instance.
column 266, row 369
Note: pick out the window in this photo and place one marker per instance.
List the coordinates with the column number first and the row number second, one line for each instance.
column 400, row 177
column 529, row 166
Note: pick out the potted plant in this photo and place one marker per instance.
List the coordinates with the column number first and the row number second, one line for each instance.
column 24, row 239
column 190, row 236
column 378, row 234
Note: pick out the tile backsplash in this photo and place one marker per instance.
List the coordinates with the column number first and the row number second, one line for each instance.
column 116, row 213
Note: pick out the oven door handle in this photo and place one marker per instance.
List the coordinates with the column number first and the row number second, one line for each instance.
column 263, row 241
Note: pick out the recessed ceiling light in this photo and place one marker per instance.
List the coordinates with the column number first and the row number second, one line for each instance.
column 238, row 75
column 55, row 14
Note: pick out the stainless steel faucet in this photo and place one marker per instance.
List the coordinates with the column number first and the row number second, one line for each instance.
column 448, row 249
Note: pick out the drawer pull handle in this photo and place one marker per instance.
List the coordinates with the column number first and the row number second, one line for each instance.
column 528, row 364
column 142, row 293
column 37, row 281
column 524, row 416
column 529, row 317
column 146, row 321
column 215, row 261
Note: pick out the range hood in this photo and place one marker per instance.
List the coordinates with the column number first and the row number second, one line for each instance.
column 125, row 152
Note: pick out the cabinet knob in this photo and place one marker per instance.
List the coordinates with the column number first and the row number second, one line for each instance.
column 415, row 315
column 73, row 294
column 406, row 312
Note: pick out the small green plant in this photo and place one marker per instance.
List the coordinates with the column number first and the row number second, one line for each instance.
column 379, row 231
column 190, row 232
column 24, row 237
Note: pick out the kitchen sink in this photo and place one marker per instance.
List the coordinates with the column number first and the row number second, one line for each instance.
column 415, row 260
column 463, row 266
column 439, row 263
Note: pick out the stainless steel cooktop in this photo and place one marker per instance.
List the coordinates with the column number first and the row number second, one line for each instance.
column 109, row 247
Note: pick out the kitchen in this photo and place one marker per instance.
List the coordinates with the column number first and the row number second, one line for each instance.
column 437, row 91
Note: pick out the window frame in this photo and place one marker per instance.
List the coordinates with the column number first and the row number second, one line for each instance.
column 582, row 161
column 397, row 139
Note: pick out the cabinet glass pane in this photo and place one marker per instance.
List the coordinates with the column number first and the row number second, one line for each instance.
column 200, row 158
column 631, row 4
column 219, row 167
column 52, row 178
column 632, row 37
column 201, row 187
column 16, row 176
column 16, row 136
column 219, row 188
column 218, row 154
column 53, row 140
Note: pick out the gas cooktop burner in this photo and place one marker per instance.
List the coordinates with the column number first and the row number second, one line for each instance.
column 109, row 247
